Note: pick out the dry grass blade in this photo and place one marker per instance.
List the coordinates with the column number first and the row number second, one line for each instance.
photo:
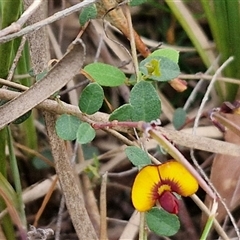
column 13, row 212
column 71, row 191
column 14, row 27
column 47, row 21
column 132, row 227
column 57, row 77
column 181, row 138
column 201, row 143
column 45, row 201
column 103, row 208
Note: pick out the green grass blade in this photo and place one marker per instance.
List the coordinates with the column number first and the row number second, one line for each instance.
column 224, row 18
column 193, row 30
column 3, row 139
column 27, row 128
column 209, row 222
column 10, row 199
column 233, row 16
column 16, row 177
column 9, row 13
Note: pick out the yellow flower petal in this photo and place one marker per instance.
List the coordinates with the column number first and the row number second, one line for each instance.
column 153, row 181
column 142, row 190
column 178, row 177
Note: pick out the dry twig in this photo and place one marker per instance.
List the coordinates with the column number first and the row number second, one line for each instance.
column 16, row 26
column 57, row 16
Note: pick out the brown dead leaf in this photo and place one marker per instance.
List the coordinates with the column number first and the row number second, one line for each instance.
column 225, row 173
column 178, row 84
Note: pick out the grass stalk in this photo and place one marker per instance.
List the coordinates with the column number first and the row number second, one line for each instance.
column 7, row 224
column 193, row 30
column 6, row 221
column 27, row 127
column 10, row 11
column 209, row 222
column 3, row 169
column 224, row 17
column 16, row 177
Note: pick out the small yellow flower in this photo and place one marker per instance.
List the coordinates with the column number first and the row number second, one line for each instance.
column 155, row 184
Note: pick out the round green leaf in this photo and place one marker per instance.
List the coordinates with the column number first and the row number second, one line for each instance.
column 137, row 156
column 67, row 126
column 165, row 70
column 145, row 102
column 105, row 75
column 85, row 133
column 179, row 118
column 88, row 13
column 162, row 223
column 91, row 98
column 123, row 113
column 169, row 53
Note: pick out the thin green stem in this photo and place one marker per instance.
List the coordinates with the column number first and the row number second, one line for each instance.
column 203, row 207
column 6, row 221
column 207, row 228
column 210, row 222
column 16, row 177
column 3, row 169
column 27, row 127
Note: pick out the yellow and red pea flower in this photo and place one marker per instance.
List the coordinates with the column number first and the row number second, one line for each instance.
column 156, row 184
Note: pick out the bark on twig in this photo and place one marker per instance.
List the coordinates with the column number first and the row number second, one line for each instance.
column 57, row 16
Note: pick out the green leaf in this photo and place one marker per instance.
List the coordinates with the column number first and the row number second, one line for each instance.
column 137, row 156
column 179, row 118
column 41, row 75
column 85, row 133
column 153, row 67
column 91, row 98
column 89, row 151
column 105, row 75
column 31, row 72
column 137, row 2
column 123, row 113
column 162, row 223
column 8, row 191
column 169, row 53
column 67, row 126
column 22, row 118
column 89, row 12
column 145, row 102
column 9, row 199
column 93, row 169
column 167, row 68
column 38, row 163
